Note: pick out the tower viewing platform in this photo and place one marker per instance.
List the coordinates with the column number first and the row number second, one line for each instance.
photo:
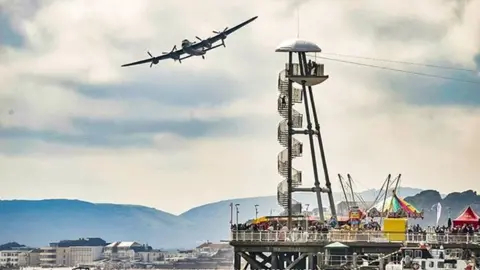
column 295, row 71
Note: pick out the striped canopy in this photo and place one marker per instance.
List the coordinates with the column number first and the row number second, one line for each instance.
column 395, row 204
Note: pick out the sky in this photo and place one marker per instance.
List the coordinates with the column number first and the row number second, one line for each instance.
column 74, row 124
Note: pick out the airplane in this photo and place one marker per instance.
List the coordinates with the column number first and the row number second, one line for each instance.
column 193, row 48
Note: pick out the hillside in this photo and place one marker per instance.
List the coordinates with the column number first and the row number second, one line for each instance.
column 70, row 219
column 36, row 223
column 452, row 204
column 11, row 245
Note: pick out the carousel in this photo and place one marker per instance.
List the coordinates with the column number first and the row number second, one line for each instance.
column 394, row 214
column 388, row 215
column 394, row 207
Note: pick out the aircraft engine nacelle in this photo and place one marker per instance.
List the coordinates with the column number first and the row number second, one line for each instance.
column 177, row 58
column 205, row 43
column 155, row 61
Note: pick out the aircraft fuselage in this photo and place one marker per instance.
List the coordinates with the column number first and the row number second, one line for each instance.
column 186, row 45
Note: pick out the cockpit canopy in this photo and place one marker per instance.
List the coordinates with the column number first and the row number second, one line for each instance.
column 185, row 42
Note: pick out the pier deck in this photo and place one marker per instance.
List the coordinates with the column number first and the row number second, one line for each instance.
column 349, row 238
column 258, row 248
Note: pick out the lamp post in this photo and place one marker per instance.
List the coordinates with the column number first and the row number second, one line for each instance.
column 306, row 216
column 236, row 216
column 231, row 214
column 256, row 210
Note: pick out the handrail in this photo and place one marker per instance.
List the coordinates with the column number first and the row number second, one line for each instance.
column 296, row 71
column 353, row 236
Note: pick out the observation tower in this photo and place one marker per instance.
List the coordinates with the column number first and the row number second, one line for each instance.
column 278, row 249
column 295, row 85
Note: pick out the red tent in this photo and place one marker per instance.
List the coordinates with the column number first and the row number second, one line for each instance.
column 468, row 216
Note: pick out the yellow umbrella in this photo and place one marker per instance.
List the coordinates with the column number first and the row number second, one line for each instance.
column 260, row 220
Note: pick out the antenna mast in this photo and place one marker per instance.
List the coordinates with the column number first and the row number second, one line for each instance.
column 298, row 21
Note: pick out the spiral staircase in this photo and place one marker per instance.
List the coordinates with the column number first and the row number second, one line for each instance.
column 282, row 136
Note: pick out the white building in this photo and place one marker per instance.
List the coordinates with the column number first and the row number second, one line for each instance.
column 211, row 247
column 9, row 257
column 22, row 257
column 54, row 256
column 84, row 255
column 29, row 258
column 152, row 256
column 69, row 256
column 124, row 250
column 70, row 253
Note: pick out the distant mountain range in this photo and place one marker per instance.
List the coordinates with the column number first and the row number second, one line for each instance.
column 36, row 223
column 451, row 205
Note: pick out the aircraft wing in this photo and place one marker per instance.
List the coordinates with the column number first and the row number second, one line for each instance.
column 172, row 55
column 223, row 35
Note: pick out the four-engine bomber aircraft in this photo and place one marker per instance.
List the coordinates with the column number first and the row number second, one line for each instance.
column 193, row 48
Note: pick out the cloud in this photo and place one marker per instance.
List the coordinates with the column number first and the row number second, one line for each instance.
column 207, row 128
column 401, row 29
column 120, row 133
column 206, row 89
column 476, row 59
column 8, row 36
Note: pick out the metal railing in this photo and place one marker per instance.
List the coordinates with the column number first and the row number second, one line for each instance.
column 352, row 236
column 296, row 71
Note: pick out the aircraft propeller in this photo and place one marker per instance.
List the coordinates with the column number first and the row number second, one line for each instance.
column 222, row 34
column 218, row 32
column 173, row 49
column 154, row 60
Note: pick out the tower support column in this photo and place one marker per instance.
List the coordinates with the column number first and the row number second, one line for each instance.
column 304, row 70
column 289, row 146
column 306, row 74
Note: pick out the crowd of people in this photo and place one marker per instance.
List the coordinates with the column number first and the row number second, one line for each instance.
column 310, row 226
column 275, row 225
column 365, row 225
column 447, row 229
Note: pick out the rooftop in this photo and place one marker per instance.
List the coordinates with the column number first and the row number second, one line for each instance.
column 123, row 244
column 94, row 241
column 128, row 244
column 298, row 45
column 213, row 245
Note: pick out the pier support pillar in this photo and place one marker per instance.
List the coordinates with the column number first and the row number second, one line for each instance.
column 237, row 261
column 320, row 260
column 274, row 261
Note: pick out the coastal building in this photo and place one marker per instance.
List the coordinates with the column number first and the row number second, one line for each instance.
column 72, row 252
column 84, row 255
column 124, row 250
column 9, row 257
column 209, row 247
column 20, row 257
column 152, row 256
column 29, row 258
column 54, row 256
